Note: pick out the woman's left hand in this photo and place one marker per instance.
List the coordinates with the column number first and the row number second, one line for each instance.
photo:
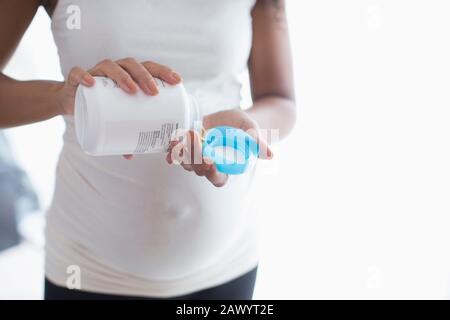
column 188, row 151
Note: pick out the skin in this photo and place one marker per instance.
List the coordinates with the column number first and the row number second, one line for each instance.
column 270, row 67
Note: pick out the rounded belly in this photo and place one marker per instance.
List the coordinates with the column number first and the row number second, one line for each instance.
column 146, row 217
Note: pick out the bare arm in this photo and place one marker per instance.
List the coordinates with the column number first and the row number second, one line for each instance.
column 271, row 78
column 21, row 102
column 270, row 68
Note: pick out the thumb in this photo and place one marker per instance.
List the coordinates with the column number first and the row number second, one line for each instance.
column 79, row 76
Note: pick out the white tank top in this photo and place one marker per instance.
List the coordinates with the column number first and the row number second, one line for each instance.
column 143, row 227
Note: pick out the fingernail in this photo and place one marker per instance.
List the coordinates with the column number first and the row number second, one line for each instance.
column 127, row 88
column 169, row 159
column 131, row 86
column 87, row 80
column 149, row 86
column 153, row 87
column 147, row 89
column 175, row 76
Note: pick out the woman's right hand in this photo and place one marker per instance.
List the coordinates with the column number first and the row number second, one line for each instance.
column 128, row 73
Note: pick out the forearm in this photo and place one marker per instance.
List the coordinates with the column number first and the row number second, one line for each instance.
column 24, row 102
column 274, row 113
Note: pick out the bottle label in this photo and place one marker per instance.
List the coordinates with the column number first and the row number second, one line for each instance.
column 153, row 140
column 108, row 83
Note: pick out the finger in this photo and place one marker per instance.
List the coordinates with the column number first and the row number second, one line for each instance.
column 169, row 158
column 115, row 72
column 79, row 76
column 176, row 153
column 217, row 178
column 189, row 154
column 140, row 74
column 162, row 72
column 193, row 143
column 187, row 167
column 171, row 151
column 265, row 152
column 201, row 169
column 184, row 156
column 180, row 151
column 199, row 165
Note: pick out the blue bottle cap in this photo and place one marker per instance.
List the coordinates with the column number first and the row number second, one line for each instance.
column 231, row 149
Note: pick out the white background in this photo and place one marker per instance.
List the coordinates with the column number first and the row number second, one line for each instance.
column 356, row 204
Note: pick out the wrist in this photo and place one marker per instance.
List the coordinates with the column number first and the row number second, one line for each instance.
column 57, row 91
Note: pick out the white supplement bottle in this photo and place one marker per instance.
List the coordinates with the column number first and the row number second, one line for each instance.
column 109, row 121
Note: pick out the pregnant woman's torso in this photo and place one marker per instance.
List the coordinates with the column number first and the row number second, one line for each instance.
column 145, row 217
